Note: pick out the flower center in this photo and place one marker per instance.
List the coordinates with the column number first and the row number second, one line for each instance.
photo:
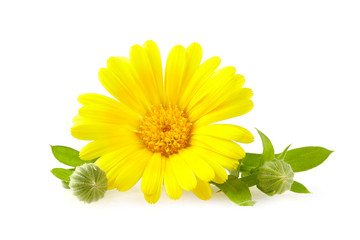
column 165, row 130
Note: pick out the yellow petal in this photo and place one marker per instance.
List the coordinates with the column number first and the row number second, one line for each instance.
column 197, row 164
column 222, row 90
column 225, row 112
column 172, row 186
column 200, row 76
column 119, row 90
column 226, row 131
column 153, row 198
column 174, row 71
column 99, row 147
column 222, row 146
column 211, row 91
column 193, row 58
column 153, row 53
column 183, row 173
column 202, row 190
column 93, row 131
column 109, row 162
column 139, row 59
column 98, row 99
column 225, row 162
column 104, row 114
column 220, row 174
column 125, row 71
column 77, row 120
column 235, row 96
column 131, row 170
column 152, row 175
column 239, row 80
column 212, row 94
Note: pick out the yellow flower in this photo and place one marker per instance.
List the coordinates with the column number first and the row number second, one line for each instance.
column 160, row 129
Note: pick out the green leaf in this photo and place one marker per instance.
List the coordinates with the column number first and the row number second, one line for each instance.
column 68, row 156
column 251, row 160
column 61, row 173
column 283, row 154
column 249, row 164
column 237, row 191
column 268, row 149
column 305, row 158
column 250, row 180
column 298, row 188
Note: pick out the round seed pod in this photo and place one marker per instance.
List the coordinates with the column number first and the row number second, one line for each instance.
column 275, row 177
column 88, row 182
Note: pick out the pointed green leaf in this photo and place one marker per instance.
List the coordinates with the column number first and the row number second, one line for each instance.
column 237, row 191
column 68, row 156
column 283, row 154
column 298, row 188
column 61, row 173
column 268, row 149
column 305, row 158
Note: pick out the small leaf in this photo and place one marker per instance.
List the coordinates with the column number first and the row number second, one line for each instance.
column 68, row 156
column 283, row 154
column 237, row 191
column 298, row 188
column 305, row 158
column 268, row 149
column 251, row 160
column 61, row 173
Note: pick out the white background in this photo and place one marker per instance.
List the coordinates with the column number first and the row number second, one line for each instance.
column 301, row 58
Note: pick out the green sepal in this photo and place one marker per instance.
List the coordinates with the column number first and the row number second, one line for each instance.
column 237, row 191
column 68, row 156
column 298, row 188
column 268, row 149
column 62, row 174
column 235, row 172
column 65, row 184
column 305, row 158
column 283, row 154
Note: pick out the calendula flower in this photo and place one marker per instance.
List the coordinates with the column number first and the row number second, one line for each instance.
column 160, row 127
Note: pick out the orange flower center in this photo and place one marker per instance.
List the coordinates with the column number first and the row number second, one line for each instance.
column 165, row 130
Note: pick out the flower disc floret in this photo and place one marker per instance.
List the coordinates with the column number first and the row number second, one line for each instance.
column 165, row 130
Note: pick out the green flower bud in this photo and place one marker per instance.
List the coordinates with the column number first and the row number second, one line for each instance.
column 275, row 177
column 88, row 182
